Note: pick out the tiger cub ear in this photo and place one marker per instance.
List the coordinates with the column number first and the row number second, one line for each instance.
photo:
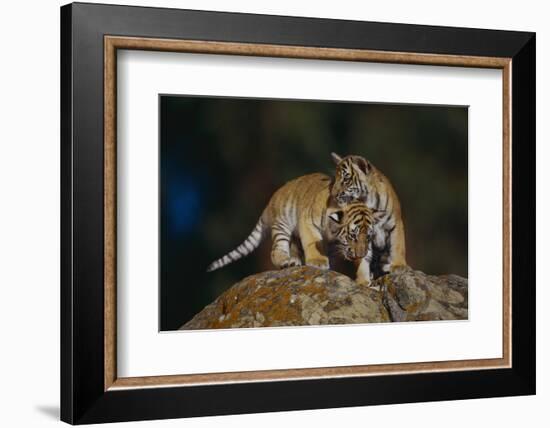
column 336, row 158
column 336, row 216
column 362, row 164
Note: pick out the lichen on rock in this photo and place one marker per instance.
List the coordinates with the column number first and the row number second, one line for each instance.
column 309, row 296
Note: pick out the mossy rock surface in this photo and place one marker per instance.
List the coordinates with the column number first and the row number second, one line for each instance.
column 310, row 296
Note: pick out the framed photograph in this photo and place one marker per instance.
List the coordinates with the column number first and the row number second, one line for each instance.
column 320, row 213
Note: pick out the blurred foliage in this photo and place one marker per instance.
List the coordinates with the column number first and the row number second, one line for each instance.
column 222, row 159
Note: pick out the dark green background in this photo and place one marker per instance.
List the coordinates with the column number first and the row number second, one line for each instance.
column 222, row 159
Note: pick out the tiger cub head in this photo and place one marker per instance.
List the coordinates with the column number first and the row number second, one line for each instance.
column 350, row 229
column 351, row 179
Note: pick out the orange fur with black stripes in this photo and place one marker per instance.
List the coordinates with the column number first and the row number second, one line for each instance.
column 356, row 179
column 303, row 225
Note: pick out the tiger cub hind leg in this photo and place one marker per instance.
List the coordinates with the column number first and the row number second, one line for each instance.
column 296, row 255
column 295, row 258
column 285, row 251
column 280, row 249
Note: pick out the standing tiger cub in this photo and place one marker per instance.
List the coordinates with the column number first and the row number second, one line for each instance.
column 356, row 179
column 303, row 224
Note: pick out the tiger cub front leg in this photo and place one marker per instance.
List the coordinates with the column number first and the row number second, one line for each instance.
column 363, row 275
column 312, row 244
column 280, row 250
column 397, row 256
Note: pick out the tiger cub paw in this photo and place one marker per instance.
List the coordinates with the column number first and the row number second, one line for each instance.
column 280, row 258
column 363, row 282
column 370, row 285
column 319, row 262
column 387, row 268
column 291, row 262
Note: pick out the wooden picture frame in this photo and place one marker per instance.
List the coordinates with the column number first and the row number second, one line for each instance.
column 91, row 390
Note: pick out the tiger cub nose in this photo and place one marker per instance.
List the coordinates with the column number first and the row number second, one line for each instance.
column 358, row 254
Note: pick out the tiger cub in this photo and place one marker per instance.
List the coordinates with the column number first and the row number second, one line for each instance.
column 356, row 179
column 303, row 222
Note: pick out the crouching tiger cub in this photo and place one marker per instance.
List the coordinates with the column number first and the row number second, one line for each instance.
column 303, row 223
column 356, row 179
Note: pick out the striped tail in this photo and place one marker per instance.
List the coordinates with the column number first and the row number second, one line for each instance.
column 249, row 245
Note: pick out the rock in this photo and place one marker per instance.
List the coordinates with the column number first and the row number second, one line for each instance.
column 310, row 296
column 414, row 296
